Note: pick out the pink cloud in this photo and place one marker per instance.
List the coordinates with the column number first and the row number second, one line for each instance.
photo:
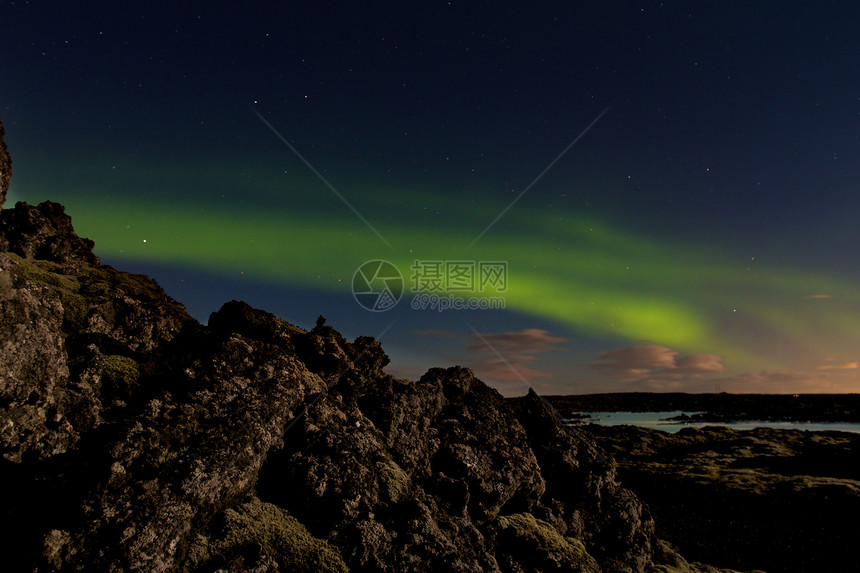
column 848, row 366
column 505, row 356
column 661, row 369
column 701, row 363
column 656, row 367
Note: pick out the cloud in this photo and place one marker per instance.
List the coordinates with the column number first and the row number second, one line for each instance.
column 656, row 367
column 700, row 363
column 660, row 368
column 848, row 366
column 516, row 351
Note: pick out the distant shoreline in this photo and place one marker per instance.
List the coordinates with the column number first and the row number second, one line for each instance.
column 719, row 408
column 677, row 421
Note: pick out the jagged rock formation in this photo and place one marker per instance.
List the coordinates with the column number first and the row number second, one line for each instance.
column 45, row 233
column 132, row 438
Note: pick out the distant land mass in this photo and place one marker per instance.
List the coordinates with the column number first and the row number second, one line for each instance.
column 719, row 407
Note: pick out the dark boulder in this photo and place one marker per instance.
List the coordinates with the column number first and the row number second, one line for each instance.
column 45, row 232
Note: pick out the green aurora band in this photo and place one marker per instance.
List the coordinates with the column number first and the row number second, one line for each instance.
column 578, row 270
column 594, row 278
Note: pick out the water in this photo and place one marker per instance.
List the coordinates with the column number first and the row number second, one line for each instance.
column 657, row 421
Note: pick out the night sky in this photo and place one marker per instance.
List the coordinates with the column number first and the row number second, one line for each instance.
column 666, row 191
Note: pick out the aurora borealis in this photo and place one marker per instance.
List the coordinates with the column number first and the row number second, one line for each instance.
column 701, row 233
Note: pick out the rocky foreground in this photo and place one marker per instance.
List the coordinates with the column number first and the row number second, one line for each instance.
column 133, row 438
column 778, row 500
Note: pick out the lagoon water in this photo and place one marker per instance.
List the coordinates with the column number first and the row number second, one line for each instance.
column 658, row 421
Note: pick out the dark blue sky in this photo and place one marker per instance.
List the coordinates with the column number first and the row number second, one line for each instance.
column 703, row 229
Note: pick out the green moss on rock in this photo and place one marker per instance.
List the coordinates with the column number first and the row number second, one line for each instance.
column 394, row 480
column 525, row 543
column 120, row 376
column 50, row 274
column 255, row 533
column 108, row 283
column 45, row 272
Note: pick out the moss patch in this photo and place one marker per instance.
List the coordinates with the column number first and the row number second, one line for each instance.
column 527, row 543
column 255, row 533
column 67, row 287
column 108, row 283
column 395, row 482
column 45, row 272
column 120, row 376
